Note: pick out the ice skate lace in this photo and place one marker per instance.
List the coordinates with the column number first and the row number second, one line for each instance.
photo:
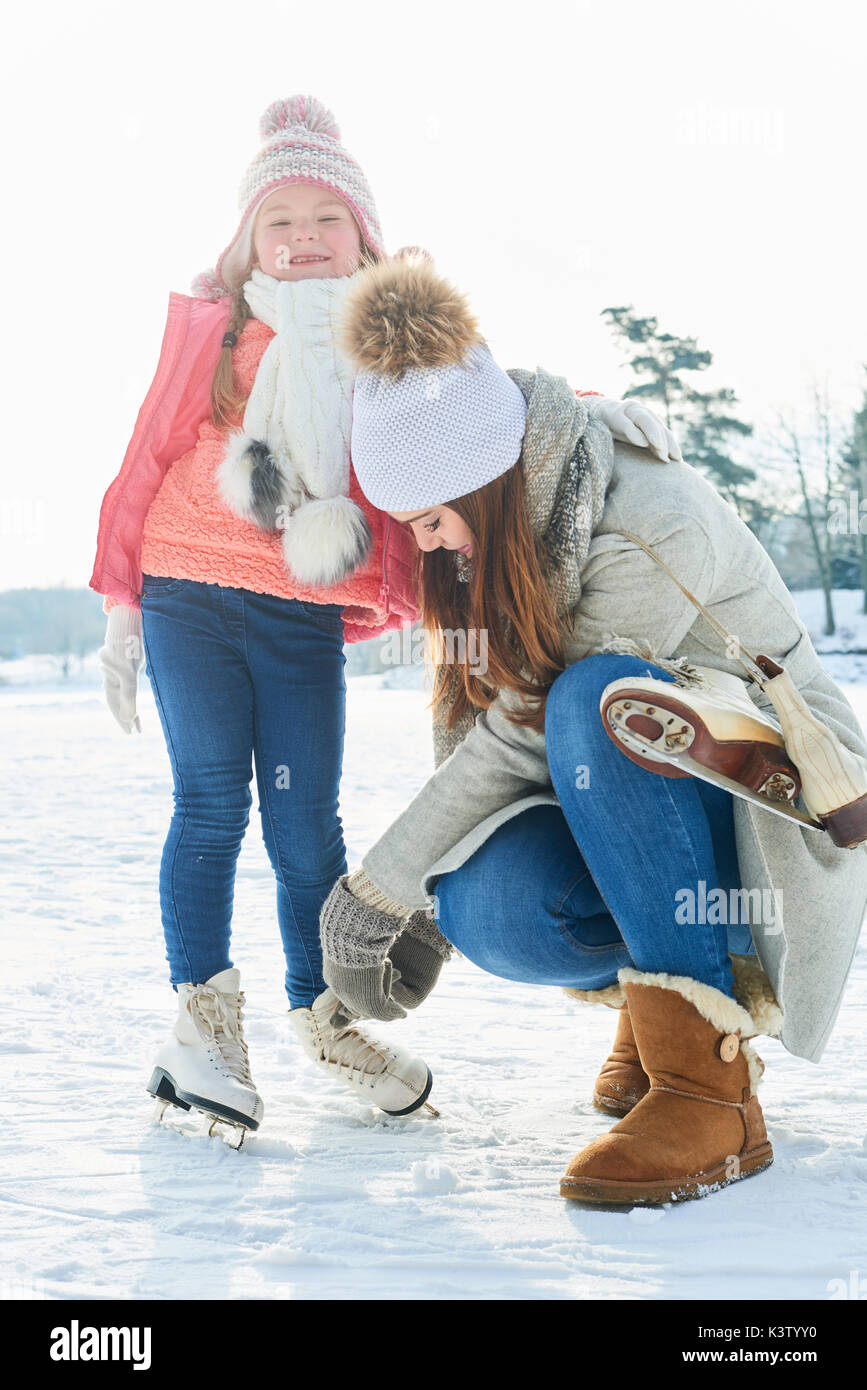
column 685, row 674
column 349, row 1048
column 218, row 1018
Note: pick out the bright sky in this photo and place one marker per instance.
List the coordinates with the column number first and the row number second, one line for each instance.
column 702, row 161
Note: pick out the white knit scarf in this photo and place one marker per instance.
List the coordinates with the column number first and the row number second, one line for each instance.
column 288, row 468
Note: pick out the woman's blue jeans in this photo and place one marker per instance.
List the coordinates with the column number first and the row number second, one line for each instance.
column 568, row 895
column 241, row 678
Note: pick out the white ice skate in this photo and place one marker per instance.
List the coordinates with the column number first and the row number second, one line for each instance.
column 389, row 1077
column 204, row 1064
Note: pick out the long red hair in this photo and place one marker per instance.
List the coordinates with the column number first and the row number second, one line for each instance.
column 507, row 598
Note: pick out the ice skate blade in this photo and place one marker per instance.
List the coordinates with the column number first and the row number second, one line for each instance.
column 232, row 1135
column 163, row 1088
column 212, row 1125
column 719, row 779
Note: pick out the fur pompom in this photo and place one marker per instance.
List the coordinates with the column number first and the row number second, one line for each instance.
column 298, row 111
column 207, row 286
column 249, row 480
column 401, row 314
column 326, row 540
column 412, row 253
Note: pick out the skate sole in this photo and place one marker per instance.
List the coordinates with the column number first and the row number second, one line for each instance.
column 608, row 1192
column 665, row 727
column 417, row 1104
column 744, row 767
column 162, row 1086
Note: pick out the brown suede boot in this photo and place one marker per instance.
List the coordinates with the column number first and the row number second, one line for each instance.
column 700, row 1126
column 622, row 1082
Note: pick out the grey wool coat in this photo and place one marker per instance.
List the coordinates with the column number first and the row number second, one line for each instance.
column 498, row 769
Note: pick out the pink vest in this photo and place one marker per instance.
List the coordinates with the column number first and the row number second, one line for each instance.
column 378, row 598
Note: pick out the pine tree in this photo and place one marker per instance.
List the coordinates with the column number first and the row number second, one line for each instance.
column 663, row 359
column 709, row 427
column 705, row 421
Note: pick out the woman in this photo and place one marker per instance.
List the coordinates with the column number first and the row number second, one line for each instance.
column 554, row 858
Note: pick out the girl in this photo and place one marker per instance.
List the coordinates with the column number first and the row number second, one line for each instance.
column 555, row 859
column 236, row 547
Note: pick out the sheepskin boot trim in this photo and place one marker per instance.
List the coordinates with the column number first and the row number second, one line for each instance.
column 612, row 995
column 700, row 1125
column 622, row 1082
column 754, row 991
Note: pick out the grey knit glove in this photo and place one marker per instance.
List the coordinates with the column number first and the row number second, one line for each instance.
column 418, row 954
column 355, row 943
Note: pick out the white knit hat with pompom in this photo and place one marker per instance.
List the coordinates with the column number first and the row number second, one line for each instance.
column 301, row 144
column 434, row 416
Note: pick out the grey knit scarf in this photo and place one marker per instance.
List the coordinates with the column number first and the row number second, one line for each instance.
column 567, row 458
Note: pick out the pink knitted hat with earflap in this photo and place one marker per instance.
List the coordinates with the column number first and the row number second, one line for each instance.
column 301, row 144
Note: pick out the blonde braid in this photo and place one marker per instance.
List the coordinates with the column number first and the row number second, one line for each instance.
column 226, row 402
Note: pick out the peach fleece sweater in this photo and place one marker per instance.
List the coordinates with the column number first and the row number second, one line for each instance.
column 189, row 533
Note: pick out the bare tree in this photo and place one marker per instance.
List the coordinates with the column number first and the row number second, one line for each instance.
column 794, row 449
column 857, row 462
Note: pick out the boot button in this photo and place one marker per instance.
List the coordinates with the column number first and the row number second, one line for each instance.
column 729, row 1047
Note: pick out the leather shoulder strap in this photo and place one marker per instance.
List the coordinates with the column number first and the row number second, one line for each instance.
column 745, row 658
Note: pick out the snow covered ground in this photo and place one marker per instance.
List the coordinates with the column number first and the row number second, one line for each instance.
column 850, row 624
column 334, row 1199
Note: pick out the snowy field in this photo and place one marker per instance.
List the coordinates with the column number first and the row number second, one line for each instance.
column 334, row 1199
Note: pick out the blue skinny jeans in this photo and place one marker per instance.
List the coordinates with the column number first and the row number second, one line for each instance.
column 568, row 894
column 243, row 679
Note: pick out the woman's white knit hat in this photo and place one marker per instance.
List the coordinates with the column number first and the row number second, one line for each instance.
column 437, row 433
column 433, row 415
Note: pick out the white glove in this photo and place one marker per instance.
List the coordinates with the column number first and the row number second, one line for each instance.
column 634, row 423
column 120, row 661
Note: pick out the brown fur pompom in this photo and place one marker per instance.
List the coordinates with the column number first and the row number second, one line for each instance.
column 402, row 313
